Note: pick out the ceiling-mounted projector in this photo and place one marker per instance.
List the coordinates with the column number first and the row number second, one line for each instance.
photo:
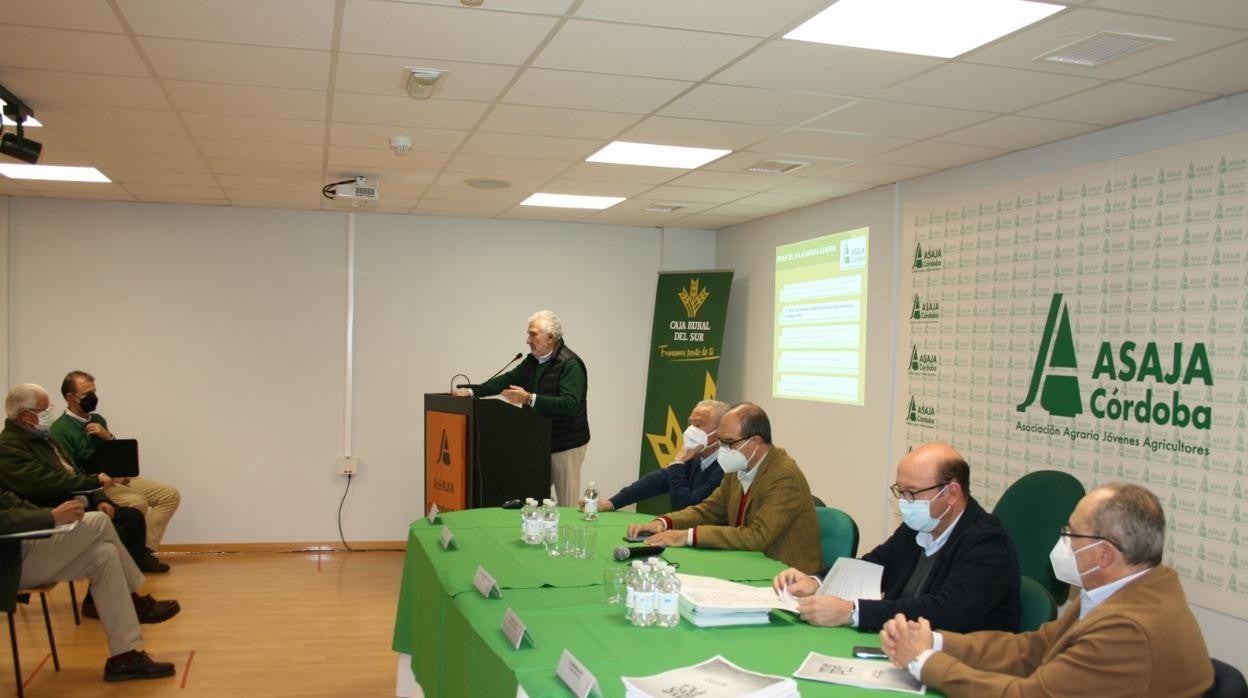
column 358, row 191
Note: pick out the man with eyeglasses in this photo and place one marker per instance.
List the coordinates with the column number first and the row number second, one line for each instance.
column 763, row 503
column 950, row 561
column 1130, row 633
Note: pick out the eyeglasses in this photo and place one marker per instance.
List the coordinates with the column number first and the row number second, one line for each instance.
column 1065, row 531
column 908, row 495
column 729, row 443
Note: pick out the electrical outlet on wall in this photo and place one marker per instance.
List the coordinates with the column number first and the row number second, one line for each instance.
column 347, row 465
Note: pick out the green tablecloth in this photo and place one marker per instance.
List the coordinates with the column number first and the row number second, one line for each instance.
column 458, row 648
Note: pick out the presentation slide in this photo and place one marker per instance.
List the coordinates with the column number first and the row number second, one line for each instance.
column 821, row 319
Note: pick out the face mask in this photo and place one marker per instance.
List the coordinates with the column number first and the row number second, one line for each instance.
column 46, row 418
column 89, row 402
column 696, row 439
column 917, row 515
column 1065, row 566
column 732, row 461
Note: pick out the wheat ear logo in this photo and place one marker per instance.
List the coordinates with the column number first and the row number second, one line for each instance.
column 1056, row 365
column 693, row 297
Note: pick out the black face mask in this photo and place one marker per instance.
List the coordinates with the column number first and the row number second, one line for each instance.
column 89, row 402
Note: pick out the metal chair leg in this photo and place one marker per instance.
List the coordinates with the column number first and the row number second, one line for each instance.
column 47, row 621
column 73, row 602
column 17, row 663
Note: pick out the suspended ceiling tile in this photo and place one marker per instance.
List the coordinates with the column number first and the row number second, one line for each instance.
column 592, row 91
column 439, row 207
column 89, row 15
column 174, row 191
column 1118, row 102
column 751, row 105
column 586, row 188
column 546, row 121
column 782, row 201
column 136, row 144
column 938, row 155
column 738, row 162
column 833, row 70
column 70, row 51
column 247, row 100
column 732, row 181
column 459, row 180
column 826, row 144
column 430, row 140
column 386, row 75
column 1222, row 13
column 504, row 167
column 541, row 7
column 511, row 145
column 878, row 173
column 637, row 50
column 260, row 168
column 255, row 128
column 749, row 18
column 201, row 61
column 404, row 111
column 238, row 182
column 508, row 197
column 546, row 213
column 984, row 88
column 897, row 120
column 87, row 119
column 668, row 192
column 178, row 179
column 40, row 88
column 698, row 133
column 292, row 23
column 824, row 187
column 1208, row 72
column 1013, row 132
column 603, row 172
column 1020, row 50
column 248, row 150
column 389, row 177
column 373, row 157
column 454, row 33
column 153, row 163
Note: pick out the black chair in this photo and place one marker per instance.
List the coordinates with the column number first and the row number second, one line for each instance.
column 1228, row 682
column 42, row 591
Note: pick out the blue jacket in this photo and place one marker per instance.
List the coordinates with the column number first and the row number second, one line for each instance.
column 686, row 484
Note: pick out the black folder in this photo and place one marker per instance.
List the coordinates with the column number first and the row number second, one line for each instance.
column 116, row 458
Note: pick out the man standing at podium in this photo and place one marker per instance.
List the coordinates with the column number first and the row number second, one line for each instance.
column 553, row 382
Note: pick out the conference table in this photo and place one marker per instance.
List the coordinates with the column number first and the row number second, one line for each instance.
column 457, row 647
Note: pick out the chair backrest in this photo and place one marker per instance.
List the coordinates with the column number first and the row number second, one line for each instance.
column 838, row 534
column 1036, row 606
column 1033, row 511
column 1228, row 682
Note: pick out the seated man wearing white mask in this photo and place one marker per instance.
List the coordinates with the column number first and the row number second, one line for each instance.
column 950, row 561
column 763, row 503
column 1131, row 633
column 694, row 472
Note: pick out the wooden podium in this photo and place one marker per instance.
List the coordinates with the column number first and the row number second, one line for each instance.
column 480, row 453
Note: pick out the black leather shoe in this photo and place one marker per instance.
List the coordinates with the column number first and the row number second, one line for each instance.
column 135, row 664
column 150, row 610
column 149, row 564
column 88, row 608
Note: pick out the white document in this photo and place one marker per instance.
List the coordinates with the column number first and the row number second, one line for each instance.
column 851, row 579
column 710, row 595
column 42, row 533
column 715, row 678
column 863, row 673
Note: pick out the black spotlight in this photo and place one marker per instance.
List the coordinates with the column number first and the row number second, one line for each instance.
column 17, row 145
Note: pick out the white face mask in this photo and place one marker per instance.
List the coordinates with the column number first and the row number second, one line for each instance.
column 696, row 439
column 918, row 514
column 46, row 418
column 732, row 461
column 1065, row 566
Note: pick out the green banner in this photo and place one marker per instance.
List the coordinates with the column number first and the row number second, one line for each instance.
column 685, row 345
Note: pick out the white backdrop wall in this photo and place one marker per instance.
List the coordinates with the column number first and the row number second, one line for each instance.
column 842, row 449
column 218, row 338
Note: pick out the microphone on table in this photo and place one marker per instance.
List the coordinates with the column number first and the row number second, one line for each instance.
column 506, row 366
column 625, row 552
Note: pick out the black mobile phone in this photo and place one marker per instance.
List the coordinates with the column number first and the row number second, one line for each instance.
column 637, row 538
column 864, row 652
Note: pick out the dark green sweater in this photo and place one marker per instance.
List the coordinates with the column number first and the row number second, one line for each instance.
column 71, row 435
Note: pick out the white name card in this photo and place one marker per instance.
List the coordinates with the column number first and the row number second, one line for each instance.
column 576, row 676
column 433, row 513
column 448, row 538
column 486, row 584
column 514, row 629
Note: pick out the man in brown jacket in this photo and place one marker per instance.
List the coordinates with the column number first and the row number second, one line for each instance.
column 1131, row 632
column 763, row 502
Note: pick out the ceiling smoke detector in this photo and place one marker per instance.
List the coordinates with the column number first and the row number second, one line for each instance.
column 420, row 83
column 401, row 145
column 775, row 167
column 1101, row 48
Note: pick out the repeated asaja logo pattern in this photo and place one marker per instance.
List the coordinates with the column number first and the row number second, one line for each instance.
column 1095, row 321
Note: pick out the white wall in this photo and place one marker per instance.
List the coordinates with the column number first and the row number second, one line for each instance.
column 842, row 449
column 218, row 338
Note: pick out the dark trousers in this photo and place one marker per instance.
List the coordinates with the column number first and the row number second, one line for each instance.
column 131, row 528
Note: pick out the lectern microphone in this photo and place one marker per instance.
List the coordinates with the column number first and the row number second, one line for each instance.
column 506, row 366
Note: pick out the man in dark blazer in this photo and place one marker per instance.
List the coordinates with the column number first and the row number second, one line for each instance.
column 950, row 561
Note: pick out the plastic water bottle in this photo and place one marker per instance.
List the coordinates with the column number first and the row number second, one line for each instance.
column 644, row 599
column 630, row 583
column 591, row 502
column 669, row 597
column 532, row 526
column 550, row 532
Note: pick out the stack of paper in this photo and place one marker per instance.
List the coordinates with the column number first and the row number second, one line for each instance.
column 710, row 602
column 851, row 578
column 863, row 673
column 715, row 678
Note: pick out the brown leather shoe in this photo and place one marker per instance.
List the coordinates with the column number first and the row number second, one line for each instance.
column 135, row 664
column 148, row 564
column 150, row 610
